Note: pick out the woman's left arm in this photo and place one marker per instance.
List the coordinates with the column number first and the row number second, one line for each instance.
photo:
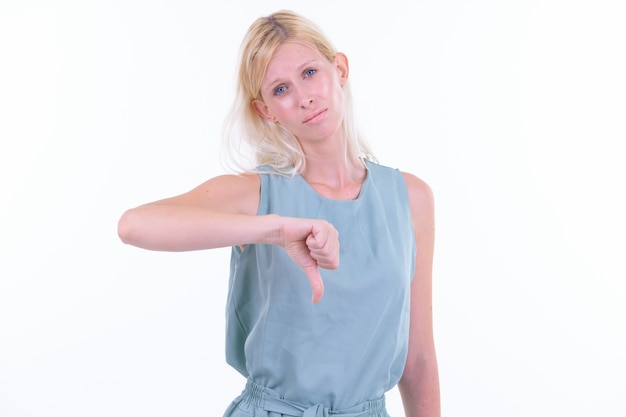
column 419, row 385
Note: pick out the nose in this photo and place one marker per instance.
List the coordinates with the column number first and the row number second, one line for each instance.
column 306, row 101
column 305, row 94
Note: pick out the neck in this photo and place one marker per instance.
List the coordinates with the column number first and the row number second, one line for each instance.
column 335, row 176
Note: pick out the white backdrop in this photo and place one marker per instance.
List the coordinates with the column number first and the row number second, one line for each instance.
column 513, row 111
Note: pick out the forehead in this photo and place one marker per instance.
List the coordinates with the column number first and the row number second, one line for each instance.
column 290, row 56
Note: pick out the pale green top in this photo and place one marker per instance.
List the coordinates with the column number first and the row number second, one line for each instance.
column 351, row 346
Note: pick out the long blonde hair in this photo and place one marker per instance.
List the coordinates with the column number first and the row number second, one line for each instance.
column 250, row 140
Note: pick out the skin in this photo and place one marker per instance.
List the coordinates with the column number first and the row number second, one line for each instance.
column 303, row 92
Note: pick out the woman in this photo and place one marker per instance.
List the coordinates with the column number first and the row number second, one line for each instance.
column 315, row 215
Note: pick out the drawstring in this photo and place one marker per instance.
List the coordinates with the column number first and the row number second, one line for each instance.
column 271, row 402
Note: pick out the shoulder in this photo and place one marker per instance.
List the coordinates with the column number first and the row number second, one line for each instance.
column 233, row 193
column 421, row 198
column 418, row 189
column 246, row 181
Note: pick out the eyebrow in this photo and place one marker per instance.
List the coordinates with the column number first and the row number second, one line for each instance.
column 300, row 68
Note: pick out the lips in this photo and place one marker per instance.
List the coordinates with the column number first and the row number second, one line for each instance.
column 315, row 116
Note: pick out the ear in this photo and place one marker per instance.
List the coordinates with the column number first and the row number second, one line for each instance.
column 262, row 110
column 343, row 69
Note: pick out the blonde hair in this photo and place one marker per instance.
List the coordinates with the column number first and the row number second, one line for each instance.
column 251, row 140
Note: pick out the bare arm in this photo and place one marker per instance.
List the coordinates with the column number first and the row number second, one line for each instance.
column 222, row 212
column 218, row 213
column 419, row 385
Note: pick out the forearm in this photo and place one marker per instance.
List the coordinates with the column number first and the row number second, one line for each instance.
column 419, row 390
column 184, row 228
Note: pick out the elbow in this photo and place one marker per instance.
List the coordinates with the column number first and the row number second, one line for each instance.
column 419, row 389
column 419, row 367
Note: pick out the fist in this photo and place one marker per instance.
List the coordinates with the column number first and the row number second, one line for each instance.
column 312, row 244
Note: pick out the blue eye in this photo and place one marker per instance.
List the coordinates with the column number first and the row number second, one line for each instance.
column 309, row 72
column 279, row 91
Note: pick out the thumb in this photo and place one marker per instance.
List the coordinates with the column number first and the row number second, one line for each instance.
column 315, row 279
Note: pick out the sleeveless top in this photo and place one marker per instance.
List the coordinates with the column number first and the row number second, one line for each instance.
column 352, row 345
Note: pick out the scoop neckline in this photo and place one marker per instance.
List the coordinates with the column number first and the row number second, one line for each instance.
column 364, row 187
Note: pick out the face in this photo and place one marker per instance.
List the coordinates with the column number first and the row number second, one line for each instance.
column 303, row 92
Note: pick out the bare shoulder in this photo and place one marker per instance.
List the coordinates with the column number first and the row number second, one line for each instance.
column 420, row 193
column 231, row 193
column 422, row 204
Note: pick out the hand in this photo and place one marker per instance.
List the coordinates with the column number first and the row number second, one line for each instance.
column 312, row 244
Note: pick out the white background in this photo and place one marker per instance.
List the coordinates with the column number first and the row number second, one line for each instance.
column 513, row 111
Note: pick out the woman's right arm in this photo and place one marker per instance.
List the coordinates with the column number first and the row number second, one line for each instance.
column 218, row 213
column 222, row 212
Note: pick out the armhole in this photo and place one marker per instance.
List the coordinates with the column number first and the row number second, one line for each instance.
column 405, row 188
column 261, row 209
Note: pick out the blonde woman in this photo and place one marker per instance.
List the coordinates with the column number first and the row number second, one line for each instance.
column 329, row 302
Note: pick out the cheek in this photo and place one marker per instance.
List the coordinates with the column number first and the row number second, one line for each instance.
column 333, row 88
column 281, row 111
column 338, row 96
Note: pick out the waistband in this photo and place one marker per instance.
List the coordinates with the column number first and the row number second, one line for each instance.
column 269, row 400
